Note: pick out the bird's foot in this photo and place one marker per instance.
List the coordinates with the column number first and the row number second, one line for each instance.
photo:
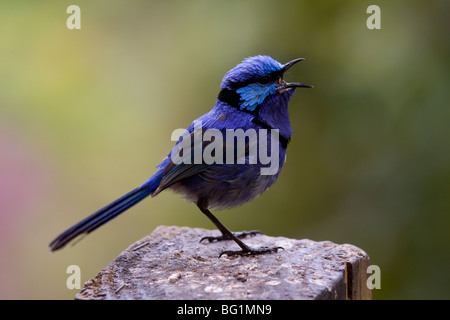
column 239, row 235
column 251, row 252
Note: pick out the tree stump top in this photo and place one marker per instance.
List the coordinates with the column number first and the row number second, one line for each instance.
column 171, row 263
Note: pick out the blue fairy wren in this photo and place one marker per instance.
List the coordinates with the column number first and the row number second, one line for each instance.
column 253, row 96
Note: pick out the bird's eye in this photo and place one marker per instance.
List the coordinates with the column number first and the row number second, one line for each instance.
column 264, row 80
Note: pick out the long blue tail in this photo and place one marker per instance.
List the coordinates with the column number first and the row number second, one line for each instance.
column 107, row 213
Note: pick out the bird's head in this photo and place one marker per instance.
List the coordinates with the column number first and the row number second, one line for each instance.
column 253, row 80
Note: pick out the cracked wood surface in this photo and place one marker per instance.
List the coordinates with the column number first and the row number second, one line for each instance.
column 171, row 263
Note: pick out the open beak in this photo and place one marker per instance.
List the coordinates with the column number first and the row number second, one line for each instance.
column 291, row 63
column 286, row 85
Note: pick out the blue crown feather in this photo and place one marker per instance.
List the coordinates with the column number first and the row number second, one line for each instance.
column 249, row 70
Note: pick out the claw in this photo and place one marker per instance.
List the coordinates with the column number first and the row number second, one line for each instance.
column 224, row 237
column 215, row 239
column 252, row 252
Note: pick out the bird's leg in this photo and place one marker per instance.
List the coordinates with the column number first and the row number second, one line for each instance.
column 228, row 235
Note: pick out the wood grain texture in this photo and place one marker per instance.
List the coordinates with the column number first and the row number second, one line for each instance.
column 171, row 263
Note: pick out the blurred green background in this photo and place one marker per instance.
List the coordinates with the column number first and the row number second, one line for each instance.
column 86, row 115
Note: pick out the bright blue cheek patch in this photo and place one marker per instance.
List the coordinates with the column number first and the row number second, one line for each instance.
column 254, row 94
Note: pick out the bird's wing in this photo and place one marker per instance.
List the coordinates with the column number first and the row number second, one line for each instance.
column 179, row 172
column 181, row 169
column 185, row 166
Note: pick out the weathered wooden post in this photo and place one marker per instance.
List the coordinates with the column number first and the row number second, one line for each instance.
column 171, row 263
